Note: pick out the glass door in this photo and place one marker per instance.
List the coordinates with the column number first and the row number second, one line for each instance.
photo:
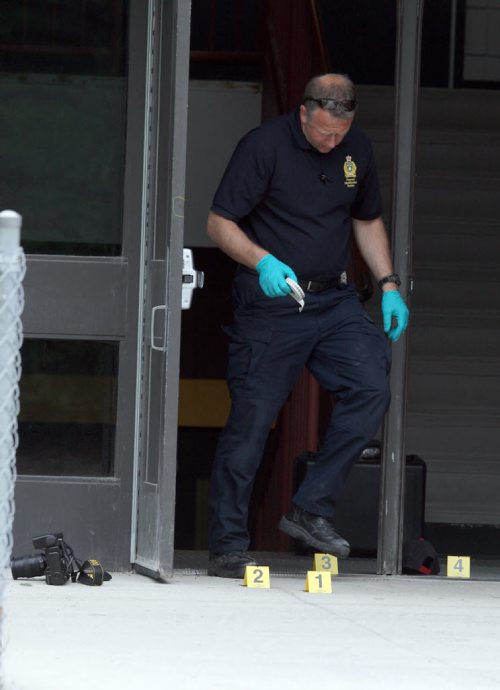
column 72, row 124
column 163, row 220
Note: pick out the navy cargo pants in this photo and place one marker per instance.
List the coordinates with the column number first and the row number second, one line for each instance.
column 270, row 343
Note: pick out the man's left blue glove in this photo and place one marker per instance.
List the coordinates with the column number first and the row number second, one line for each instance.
column 394, row 307
column 272, row 276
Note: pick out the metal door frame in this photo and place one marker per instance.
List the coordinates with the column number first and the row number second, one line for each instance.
column 169, row 85
column 393, row 456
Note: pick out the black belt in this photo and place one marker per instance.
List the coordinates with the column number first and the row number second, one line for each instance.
column 320, row 285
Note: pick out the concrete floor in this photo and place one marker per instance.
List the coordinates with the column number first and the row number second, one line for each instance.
column 201, row 633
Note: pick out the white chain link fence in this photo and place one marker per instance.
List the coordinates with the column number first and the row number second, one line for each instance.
column 12, row 269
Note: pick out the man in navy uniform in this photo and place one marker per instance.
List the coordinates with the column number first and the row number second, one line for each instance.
column 294, row 192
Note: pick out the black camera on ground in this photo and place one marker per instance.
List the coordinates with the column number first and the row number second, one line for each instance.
column 57, row 561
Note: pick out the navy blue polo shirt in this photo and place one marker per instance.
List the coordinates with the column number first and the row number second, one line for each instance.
column 296, row 202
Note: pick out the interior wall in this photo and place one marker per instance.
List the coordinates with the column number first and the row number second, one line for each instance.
column 220, row 113
column 482, row 45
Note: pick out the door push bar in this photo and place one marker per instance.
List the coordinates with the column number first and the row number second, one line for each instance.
column 191, row 279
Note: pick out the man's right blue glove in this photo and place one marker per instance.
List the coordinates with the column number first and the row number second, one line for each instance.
column 272, row 276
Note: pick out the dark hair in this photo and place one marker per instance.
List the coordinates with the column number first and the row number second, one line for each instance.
column 333, row 92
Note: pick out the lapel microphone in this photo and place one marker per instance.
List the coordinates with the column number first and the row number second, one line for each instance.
column 323, row 178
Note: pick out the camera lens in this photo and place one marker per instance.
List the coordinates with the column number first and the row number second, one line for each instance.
column 28, row 566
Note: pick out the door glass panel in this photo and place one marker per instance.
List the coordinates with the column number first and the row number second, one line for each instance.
column 68, row 397
column 62, row 122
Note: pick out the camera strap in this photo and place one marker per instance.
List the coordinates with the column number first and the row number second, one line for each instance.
column 92, row 573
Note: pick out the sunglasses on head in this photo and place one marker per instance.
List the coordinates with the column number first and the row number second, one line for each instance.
column 346, row 106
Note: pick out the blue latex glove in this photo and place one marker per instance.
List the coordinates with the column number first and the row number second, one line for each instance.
column 394, row 307
column 272, row 274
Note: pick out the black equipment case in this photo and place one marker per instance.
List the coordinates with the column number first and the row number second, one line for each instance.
column 358, row 507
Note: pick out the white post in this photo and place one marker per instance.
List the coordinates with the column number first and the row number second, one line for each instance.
column 10, row 232
column 12, row 268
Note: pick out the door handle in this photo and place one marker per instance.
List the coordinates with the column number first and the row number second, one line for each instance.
column 161, row 348
column 191, row 279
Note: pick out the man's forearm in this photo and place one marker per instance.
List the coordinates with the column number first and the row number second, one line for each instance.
column 373, row 244
column 229, row 237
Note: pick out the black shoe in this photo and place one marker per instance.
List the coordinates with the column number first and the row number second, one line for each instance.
column 229, row 564
column 315, row 531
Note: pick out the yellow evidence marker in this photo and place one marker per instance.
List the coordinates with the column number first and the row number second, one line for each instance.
column 318, row 582
column 458, row 566
column 325, row 562
column 257, row 576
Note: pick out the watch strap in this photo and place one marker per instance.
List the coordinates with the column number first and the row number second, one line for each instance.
column 392, row 278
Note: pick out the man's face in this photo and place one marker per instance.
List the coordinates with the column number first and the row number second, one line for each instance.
column 323, row 131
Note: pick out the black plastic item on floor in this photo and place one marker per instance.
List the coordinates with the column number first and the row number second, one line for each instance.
column 358, row 507
column 420, row 558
